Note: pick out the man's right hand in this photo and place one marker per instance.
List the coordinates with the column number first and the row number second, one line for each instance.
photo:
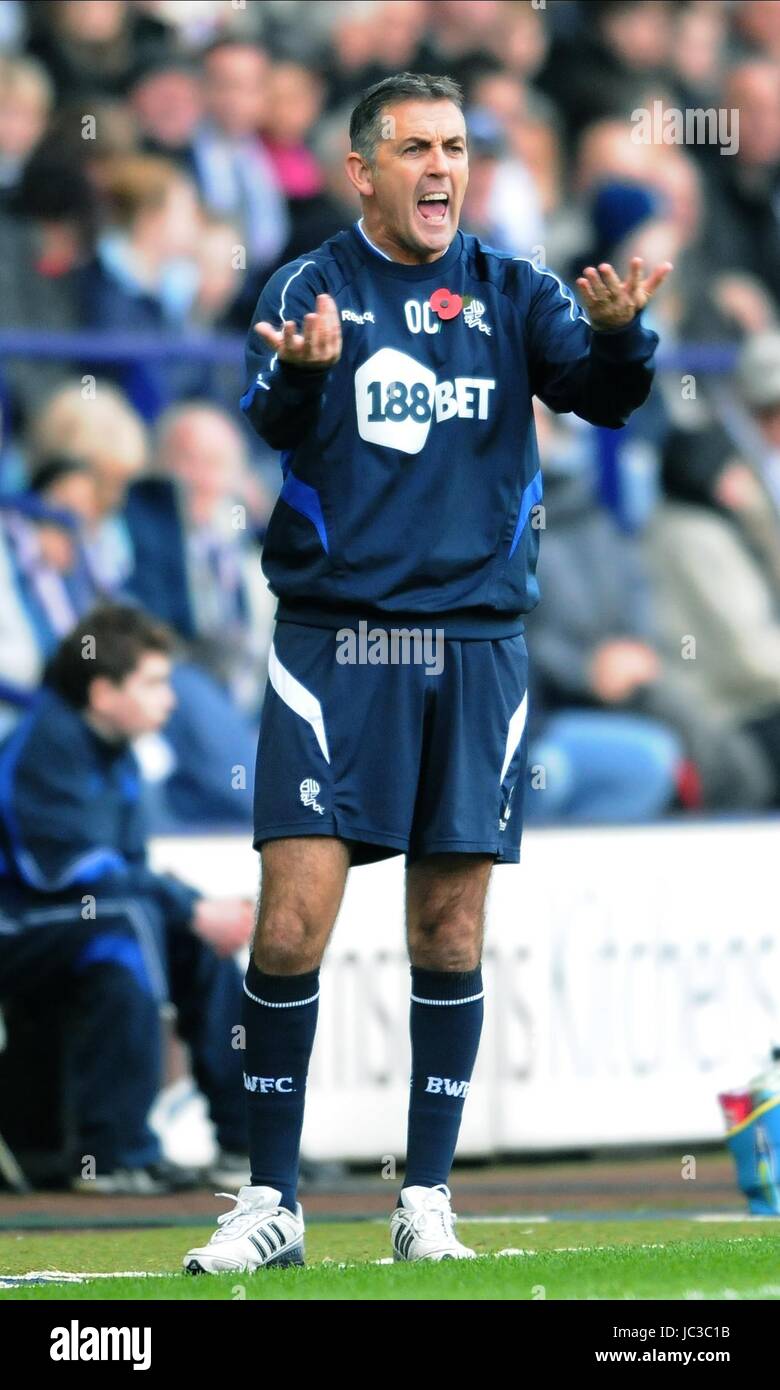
column 317, row 347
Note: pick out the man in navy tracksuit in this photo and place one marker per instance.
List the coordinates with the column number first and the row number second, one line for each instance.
column 394, row 368
column 87, row 922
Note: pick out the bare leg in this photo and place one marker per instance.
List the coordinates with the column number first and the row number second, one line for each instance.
column 303, row 881
column 445, row 903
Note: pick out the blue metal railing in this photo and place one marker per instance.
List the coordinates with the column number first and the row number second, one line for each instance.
column 35, row 343
column 709, row 358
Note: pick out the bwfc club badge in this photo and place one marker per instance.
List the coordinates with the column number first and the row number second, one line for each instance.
column 448, row 305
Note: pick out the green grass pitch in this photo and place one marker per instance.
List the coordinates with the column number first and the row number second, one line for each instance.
column 647, row 1259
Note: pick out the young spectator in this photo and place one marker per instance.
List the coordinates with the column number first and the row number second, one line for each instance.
column 94, row 924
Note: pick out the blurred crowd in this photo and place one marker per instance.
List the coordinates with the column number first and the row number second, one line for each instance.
column 160, row 158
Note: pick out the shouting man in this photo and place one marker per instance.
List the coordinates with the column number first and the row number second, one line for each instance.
column 395, row 367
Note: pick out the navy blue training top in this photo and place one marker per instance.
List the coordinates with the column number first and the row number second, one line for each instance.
column 411, row 467
column 71, row 815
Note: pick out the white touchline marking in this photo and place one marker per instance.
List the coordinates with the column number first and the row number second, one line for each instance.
column 723, row 1295
column 729, row 1216
column 63, row 1276
column 730, row 1295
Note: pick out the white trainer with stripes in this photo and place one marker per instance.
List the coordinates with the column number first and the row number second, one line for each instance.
column 423, row 1227
column 257, row 1233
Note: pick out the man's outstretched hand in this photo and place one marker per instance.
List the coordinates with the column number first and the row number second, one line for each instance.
column 319, row 344
column 611, row 302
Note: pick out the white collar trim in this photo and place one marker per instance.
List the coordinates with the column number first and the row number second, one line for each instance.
column 370, row 243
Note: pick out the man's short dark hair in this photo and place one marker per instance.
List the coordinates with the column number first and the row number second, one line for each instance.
column 365, row 125
column 121, row 635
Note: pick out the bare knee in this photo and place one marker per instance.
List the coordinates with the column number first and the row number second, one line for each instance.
column 302, row 886
column 447, row 942
column 445, row 911
column 286, row 945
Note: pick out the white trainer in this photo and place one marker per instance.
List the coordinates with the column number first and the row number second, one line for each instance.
column 423, row 1227
column 257, row 1232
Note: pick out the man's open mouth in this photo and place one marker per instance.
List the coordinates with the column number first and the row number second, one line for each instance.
column 432, row 207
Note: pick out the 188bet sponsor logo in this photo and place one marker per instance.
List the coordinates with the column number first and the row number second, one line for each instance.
column 398, row 397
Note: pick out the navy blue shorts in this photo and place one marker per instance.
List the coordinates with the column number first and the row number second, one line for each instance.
column 388, row 756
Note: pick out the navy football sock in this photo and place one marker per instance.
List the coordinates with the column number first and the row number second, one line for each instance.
column 279, row 1015
column 445, row 1026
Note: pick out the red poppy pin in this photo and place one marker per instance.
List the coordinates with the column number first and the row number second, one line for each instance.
column 446, row 303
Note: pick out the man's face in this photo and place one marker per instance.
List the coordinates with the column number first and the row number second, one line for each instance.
column 140, row 704
column 422, row 151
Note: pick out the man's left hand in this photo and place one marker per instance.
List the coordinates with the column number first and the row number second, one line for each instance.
column 611, row 302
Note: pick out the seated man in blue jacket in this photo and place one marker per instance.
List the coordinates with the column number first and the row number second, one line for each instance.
column 92, row 923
